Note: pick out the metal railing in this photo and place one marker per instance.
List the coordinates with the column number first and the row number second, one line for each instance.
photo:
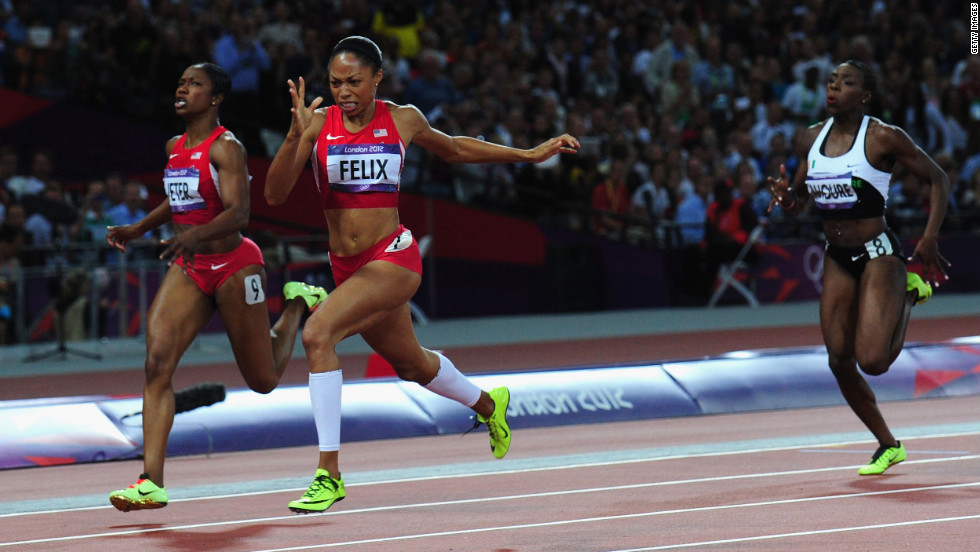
column 116, row 289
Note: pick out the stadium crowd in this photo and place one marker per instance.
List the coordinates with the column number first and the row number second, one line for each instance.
column 670, row 99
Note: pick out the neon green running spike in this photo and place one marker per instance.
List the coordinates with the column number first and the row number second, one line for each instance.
column 323, row 492
column 313, row 295
column 915, row 282
column 142, row 495
column 884, row 458
column 497, row 422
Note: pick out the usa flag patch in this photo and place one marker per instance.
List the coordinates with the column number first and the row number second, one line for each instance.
column 380, row 132
column 196, row 155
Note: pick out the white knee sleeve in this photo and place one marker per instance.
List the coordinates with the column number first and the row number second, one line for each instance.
column 452, row 384
column 325, row 397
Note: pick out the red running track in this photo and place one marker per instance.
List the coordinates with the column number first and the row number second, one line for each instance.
column 782, row 480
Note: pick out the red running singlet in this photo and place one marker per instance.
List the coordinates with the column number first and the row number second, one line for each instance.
column 362, row 169
column 191, row 182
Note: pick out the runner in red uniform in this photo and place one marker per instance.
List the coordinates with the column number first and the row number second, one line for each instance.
column 358, row 146
column 212, row 268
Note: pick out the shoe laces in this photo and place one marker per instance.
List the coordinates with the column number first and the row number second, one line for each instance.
column 882, row 449
column 476, row 424
column 320, row 483
column 491, row 426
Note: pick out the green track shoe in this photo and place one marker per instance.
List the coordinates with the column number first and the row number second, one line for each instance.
column 915, row 282
column 142, row 495
column 323, row 492
column 313, row 295
column 497, row 422
column 884, row 458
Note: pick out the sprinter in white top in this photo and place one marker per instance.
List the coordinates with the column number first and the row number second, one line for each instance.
column 867, row 292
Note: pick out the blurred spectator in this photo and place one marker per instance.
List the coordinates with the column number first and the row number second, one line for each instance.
column 131, row 211
column 728, row 223
column 114, row 185
column 34, row 181
column 49, row 218
column 11, row 240
column 907, row 204
column 652, row 38
column 740, row 151
column 240, row 53
column 431, row 88
column 691, row 215
column 92, row 218
column 715, row 81
column 747, row 189
column 693, row 209
column 601, row 81
column 650, row 200
column 805, row 100
column 969, row 197
column 669, row 52
column 954, row 116
column 282, row 31
column 402, row 21
column 774, row 123
column 8, row 168
column 679, row 98
column 611, row 198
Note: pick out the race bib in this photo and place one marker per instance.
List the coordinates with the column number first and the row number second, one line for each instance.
column 356, row 168
column 832, row 191
column 181, row 186
column 254, row 293
column 879, row 247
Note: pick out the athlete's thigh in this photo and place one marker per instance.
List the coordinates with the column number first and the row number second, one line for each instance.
column 242, row 303
column 178, row 312
column 882, row 293
column 394, row 338
column 364, row 299
column 838, row 309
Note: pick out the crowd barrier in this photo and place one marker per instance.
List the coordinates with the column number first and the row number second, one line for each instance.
column 97, row 428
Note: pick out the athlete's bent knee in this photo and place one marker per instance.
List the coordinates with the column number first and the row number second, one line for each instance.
column 263, row 385
column 874, row 366
column 315, row 341
column 412, row 373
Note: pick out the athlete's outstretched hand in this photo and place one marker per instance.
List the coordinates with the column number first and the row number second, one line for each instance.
column 119, row 236
column 302, row 114
column 566, row 143
column 934, row 265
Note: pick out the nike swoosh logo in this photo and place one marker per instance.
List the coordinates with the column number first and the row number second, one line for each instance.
column 853, row 258
column 854, row 165
column 332, row 137
column 144, row 494
column 172, row 155
column 216, row 267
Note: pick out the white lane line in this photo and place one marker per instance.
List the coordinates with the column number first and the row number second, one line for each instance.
column 532, row 495
column 483, row 469
column 646, row 514
column 803, row 533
